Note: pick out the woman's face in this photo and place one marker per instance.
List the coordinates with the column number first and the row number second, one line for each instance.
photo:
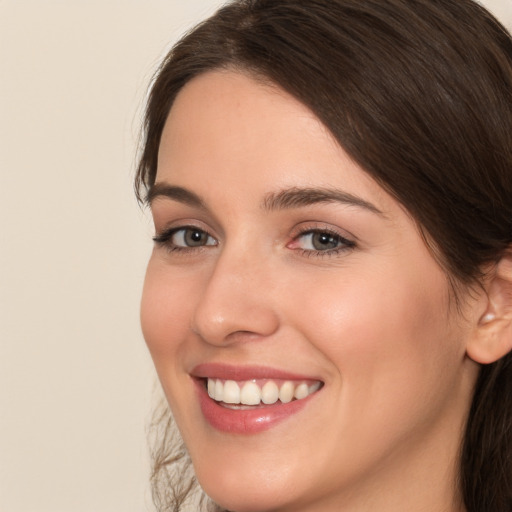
column 281, row 268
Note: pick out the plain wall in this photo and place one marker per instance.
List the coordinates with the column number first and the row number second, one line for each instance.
column 75, row 376
column 75, row 379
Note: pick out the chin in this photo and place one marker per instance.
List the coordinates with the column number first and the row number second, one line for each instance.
column 245, row 490
column 247, row 495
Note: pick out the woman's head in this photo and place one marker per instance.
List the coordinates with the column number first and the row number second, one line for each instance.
column 345, row 168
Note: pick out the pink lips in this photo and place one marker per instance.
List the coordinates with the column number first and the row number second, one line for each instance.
column 244, row 421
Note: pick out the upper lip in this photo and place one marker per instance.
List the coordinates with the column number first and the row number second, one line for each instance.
column 241, row 373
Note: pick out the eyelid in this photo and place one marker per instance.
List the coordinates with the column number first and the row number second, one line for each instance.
column 315, row 226
column 348, row 241
column 169, row 232
column 163, row 227
column 163, row 237
column 167, row 213
column 345, row 241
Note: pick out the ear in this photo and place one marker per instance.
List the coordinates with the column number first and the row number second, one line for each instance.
column 492, row 336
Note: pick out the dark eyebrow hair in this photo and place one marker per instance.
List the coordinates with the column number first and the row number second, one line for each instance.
column 297, row 197
column 180, row 194
column 284, row 199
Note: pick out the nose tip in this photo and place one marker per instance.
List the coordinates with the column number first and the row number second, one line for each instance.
column 224, row 329
column 235, row 306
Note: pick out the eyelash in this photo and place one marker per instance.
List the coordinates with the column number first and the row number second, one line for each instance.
column 343, row 244
column 165, row 239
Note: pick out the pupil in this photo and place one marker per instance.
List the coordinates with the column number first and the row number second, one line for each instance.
column 323, row 241
column 195, row 238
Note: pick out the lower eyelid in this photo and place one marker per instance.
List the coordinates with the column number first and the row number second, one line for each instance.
column 331, row 253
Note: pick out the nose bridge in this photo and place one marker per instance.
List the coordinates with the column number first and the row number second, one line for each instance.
column 236, row 297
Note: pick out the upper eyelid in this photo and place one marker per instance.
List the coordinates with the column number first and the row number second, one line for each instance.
column 163, row 239
column 343, row 239
column 165, row 218
column 184, row 223
column 315, row 226
column 170, row 231
column 304, row 228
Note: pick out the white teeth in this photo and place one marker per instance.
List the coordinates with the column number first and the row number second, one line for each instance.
column 211, row 388
column 286, row 392
column 219, row 391
column 301, row 391
column 231, row 393
column 314, row 387
column 269, row 393
column 250, row 393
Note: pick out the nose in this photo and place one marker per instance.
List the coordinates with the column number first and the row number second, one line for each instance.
column 236, row 303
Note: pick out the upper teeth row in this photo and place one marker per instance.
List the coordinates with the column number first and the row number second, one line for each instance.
column 250, row 393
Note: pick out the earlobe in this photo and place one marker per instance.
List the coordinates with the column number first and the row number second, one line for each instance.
column 492, row 336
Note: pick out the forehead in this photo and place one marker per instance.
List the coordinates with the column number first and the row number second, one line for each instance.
column 222, row 109
column 228, row 129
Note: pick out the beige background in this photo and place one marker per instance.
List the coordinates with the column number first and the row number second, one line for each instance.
column 75, row 379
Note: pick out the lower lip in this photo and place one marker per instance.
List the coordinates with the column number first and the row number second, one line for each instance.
column 248, row 421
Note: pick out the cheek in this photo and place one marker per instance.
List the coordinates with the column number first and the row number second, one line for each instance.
column 376, row 309
column 166, row 306
column 165, row 317
column 395, row 363
column 387, row 337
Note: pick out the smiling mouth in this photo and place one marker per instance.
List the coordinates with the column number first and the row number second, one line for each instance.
column 253, row 399
column 243, row 395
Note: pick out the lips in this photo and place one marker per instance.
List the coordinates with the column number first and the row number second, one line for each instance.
column 248, row 400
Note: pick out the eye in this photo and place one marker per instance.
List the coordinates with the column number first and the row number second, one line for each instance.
column 321, row 241
column 191, row 237
column 184, row 238
column 318, row 241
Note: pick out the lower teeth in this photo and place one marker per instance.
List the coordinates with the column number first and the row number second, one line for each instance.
column 242, row 407
column 239, row 407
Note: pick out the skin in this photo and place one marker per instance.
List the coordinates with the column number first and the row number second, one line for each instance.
column 372, row 320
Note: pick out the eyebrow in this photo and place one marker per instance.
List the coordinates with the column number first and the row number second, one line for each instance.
column 179, row 194
column 284, row 199
column 297, row 197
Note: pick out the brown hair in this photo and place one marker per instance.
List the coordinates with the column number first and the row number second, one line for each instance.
column 419, row 93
